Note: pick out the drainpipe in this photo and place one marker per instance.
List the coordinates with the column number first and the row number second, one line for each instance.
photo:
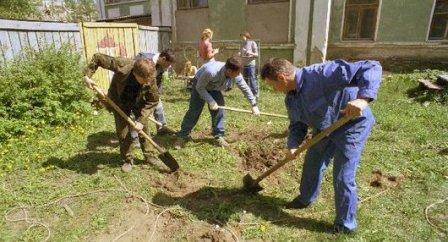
column 310, row 33
column 290, row 20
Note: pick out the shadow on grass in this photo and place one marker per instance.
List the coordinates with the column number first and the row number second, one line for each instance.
column 102, row 139
column 214, row 205
column 86, row 162
column 422, row 95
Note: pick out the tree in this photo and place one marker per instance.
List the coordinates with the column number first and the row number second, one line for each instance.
column 19, row 9
column 81, row 10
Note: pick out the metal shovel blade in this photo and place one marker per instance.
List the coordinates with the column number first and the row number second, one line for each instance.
column 250, row 185
column 169, row 161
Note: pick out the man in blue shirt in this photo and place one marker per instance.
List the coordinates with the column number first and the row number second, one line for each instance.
column 317, row 96
column 208, row 84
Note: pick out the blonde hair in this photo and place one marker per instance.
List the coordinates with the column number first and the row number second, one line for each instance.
column 207, row 34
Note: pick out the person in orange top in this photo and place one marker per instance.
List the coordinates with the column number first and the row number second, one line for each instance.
column 205, row 49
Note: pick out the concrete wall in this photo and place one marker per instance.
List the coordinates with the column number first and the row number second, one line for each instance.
column 190, row 23
column 268, row 22
column 402, row 34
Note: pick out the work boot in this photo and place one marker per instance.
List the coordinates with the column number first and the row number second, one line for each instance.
column 127, row 166
column 341, row 229
column 222, row 142
column 164, row 131
column 179, row 143
column 296, row 204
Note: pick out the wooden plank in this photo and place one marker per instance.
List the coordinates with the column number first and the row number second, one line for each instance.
column 64, row 37
column 37, row 26
column 143, row 44
column 32, row 38
column 78, row 41
column 109, row 25
column 6, row 45
column 24, row 39
column 14, row 38
column 48, row 39
column 158, row 29
column 56, row 39
column 429, row 85
column 41, row 40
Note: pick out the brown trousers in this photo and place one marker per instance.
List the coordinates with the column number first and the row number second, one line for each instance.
column 124, row 137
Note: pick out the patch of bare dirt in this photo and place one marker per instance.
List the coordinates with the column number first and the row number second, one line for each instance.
column 260, row 157
column 179, row 182
column 380, row 180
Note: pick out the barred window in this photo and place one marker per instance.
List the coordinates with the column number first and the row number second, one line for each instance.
column 439, row 24
column 360, row 19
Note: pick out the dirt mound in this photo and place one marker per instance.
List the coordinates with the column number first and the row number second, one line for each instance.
column 379, row 180
column 261, row 157
column 178, row 182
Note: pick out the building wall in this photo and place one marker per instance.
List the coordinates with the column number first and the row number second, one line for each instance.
column 268, row 22
column 124, row 8
column 402, row 34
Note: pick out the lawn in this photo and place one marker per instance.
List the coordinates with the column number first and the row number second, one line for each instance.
column 66, row 182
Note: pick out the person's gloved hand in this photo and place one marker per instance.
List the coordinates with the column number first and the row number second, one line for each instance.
column 255, row 111
column 213, row 106
column 354, row 108
column 89, row 83
column 138, row 126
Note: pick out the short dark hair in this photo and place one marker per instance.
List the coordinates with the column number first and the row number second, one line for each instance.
column 275, row 66
column 234, row 63
column 144, row 68
column 169, row 55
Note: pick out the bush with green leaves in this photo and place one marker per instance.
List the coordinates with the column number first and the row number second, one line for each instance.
column 41, row 88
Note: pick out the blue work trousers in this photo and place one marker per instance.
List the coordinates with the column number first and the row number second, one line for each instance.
column 194, row 112
column 251, row 78
column 345, row 147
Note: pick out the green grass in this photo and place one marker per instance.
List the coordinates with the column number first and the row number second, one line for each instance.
column 409, row 141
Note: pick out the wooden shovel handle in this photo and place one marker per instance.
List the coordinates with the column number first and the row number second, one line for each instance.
column 124, row 116
column 248, row 111
column 305, row 145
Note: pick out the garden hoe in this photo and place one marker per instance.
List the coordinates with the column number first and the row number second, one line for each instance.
column 164, row 155
column 253, row 186
column 247, row 111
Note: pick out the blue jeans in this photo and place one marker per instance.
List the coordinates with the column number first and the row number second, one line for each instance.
column 251, row 78
column 346, row 152
column 194, row 112
column 159, row 114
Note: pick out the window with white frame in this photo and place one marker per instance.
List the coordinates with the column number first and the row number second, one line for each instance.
column 189, row 4
column 439, row 23
column 360, row 19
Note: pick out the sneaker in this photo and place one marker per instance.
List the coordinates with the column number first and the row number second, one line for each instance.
column 127, row 167
column 341, row 229
column 222, row 142
column 296, row 204
column 179, row 143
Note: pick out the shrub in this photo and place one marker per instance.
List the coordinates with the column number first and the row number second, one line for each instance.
column 41, row 88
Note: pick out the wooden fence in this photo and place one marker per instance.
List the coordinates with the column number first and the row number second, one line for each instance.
column 15, row 36
column 115, row 39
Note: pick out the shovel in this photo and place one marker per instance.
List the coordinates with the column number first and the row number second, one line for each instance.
column 247, row 111
column 253, row 186
column 164, row 155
